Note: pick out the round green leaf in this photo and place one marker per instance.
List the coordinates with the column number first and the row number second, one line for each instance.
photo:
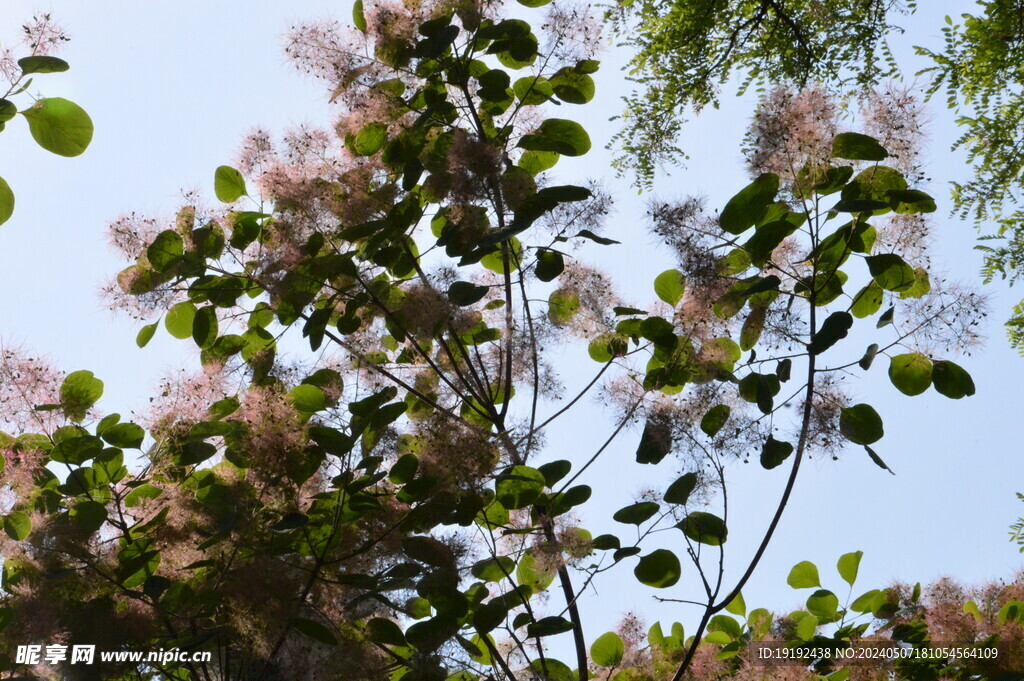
column 670, row 286
column 608, row 650
column 307, row 399
column 714, row 419
column 679, row 491
column 42, row 64
column 891, row 272
column 744, row 209
column 314, row 630
column 141, row 494
column 493, row 569
column 6, row 201
column 854, row 146
column 179, row 320
column 370, row 139
column 89, row 515
column 205, row 326
column 951, row 379
column 659, row 569
column 867, row 301
column 636, row 514
column 228, row 184
column 59, row 126
column 861, row 424
column 550, row 264
column 166, row 249
column 607, row 346
column 804, row 575
column 533, row 573
column 704, row 528
column 79, row 391
column 17, row 525
column 822, row 603
column 464, row 293
column 572, row 86
column 145, row 335
column 910, row 373
column 558, row 135
column 519, row 487
column 125, row 435
column 848, row 566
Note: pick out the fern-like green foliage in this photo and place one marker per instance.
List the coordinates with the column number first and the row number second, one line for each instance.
column 685, row 50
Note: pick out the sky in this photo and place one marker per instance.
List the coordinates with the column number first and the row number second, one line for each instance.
column 172, row 87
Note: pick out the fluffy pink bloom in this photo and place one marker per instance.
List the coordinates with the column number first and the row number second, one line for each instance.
column 27, row 382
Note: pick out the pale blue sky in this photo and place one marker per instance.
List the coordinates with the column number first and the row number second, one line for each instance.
column 172, row 86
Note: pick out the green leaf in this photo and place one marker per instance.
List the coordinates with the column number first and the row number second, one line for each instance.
column 854, row 146
column 141, row 494
column 636, row 514
column 804, row 575
column 951, row 379
column 558, row 135
column 861, row 424
column 607, row 346
column 17, row 525
column 659, row 569
column 849, row 565
column 145, row 335
column 570, row 85
column 307, row 399
column 910, row 373
column 868, row 359
column 833, row 329
column 744, row 209
column 670, row 286
column 891, row 272
column 381, row 630
column 358, row 16
column 166, row 249
column 822, row 604
column 714, row 419
column 533, row 573
column 911, row 201
column 878, row 460
column 314, row 630
column 370, row 139
column 7, row 111
column 774, row 453
column 655, row 443
column 704, row 528
column 42, row 64
column 179, row 320
column 125, row 435
column 79, row 392
column 464, row 293
column 608, row 650
column 679, row 491
column 228, row 184
column 6, row 201
column 535, row 162
column 493, row 569
column 737, row 606
column 519, row 487
column 550, row 264
column 868, row 300
column 548, row 626
column 59, row 126
column 89, row 515
column 205, row 326
column 562, row 306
